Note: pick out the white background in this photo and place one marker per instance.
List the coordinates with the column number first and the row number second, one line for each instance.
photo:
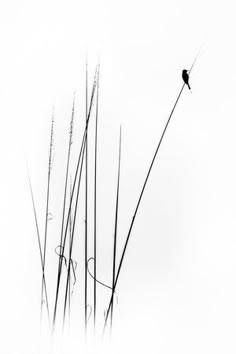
column 177, row 288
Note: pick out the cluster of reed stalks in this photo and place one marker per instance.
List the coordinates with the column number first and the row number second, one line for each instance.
column 66, row 276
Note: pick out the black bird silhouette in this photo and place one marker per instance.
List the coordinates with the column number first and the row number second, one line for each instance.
column 186, row 77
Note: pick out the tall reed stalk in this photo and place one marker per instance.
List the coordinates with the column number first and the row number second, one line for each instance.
column 72, row 236
column 47, row 213
column 70, row 232
column 86, row 208
column 81, row 153
column 115, row 231
column 67, row 170
column 140, row 198
column 66, row 183
column 40, row 252
column 95, row 214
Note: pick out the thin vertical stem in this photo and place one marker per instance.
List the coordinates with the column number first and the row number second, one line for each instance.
column 86, row 207
column 67, row 169
column 40, row 250
column 72, row 235
column 70, row 231
column 115, row 232
column 95, row 213
column 46, row 214
column 66, row 183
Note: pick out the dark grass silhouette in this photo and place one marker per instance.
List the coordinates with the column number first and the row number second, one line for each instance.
column 47, row 214
column 80, row 158
column 86, row 210
column 66, row 185
column 115, row 231
column 41, row 256
column 72, row 237
column 95, row 214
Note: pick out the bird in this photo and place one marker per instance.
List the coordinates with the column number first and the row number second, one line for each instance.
column 185, row 77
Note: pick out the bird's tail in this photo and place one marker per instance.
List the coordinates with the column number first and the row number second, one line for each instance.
column 189, row 86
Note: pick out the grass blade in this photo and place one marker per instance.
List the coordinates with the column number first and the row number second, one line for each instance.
column 95, row 214
column 86, row 209
column 47, row 213
column 115, row 232
column 40, row 251
column 71, row 199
